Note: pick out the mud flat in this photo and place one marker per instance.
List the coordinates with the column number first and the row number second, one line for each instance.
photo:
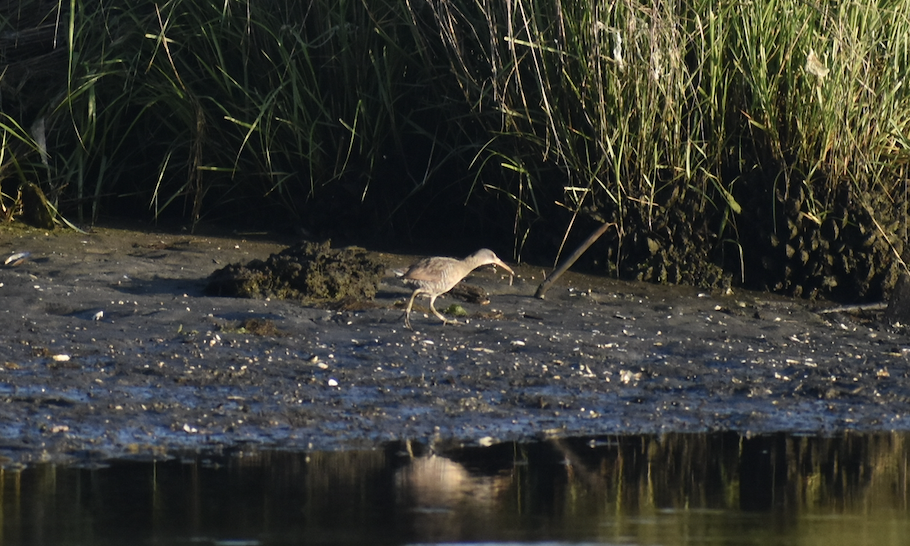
column 111, row 348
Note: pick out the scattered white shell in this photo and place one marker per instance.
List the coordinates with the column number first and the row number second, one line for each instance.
column 17, row 258
column 332, row 383
column 61, row 358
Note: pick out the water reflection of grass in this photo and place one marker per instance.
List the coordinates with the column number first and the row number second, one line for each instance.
column 850, row 471
column 673, row 489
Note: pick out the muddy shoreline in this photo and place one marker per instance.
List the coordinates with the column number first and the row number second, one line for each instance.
column 111, row 348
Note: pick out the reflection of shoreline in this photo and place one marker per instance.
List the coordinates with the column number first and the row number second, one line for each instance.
column 603, row 487
column 671, row 489
column 676, row 475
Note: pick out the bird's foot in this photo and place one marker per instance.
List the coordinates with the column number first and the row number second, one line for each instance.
column 407, row 321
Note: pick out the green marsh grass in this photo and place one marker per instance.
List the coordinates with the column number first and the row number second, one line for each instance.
column 228, row 101
column 740, row 126
column 663, row 116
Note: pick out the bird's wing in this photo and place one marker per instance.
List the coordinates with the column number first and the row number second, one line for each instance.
column 431, row 269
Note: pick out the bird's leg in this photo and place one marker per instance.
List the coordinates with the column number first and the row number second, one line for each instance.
column 407, row 313
column 438, row 314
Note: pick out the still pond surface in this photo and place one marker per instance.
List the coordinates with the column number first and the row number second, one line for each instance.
column 674, row 489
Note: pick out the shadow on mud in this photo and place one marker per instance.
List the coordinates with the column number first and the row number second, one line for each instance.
column 671, row 489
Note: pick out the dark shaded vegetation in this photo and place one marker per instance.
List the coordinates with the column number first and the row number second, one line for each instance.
column 757, row 144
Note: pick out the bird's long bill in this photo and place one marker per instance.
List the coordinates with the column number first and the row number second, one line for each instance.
column 503, row 265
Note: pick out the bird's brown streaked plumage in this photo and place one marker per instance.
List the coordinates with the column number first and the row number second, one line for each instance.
column 438, row 275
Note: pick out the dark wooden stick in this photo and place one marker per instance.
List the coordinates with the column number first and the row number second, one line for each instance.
column 552, row 277
column 853, row 308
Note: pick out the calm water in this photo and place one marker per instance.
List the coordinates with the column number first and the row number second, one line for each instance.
column 668, row 490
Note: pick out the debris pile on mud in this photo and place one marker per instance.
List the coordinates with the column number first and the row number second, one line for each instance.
column 310, row 272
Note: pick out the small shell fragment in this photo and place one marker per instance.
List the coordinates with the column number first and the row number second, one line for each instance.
column 17, row 259
column 61, row 358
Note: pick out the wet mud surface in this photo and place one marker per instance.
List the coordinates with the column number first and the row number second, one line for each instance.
column 111, row 347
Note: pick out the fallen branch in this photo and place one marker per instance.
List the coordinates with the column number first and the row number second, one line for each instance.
column 552, row 277
column 855, row 308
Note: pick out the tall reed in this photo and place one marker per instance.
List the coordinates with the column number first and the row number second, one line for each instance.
column 702, row 129
column 664, row 115
column 230, row 100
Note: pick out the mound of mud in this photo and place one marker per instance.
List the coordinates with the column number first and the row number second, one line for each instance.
column 313, row 273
